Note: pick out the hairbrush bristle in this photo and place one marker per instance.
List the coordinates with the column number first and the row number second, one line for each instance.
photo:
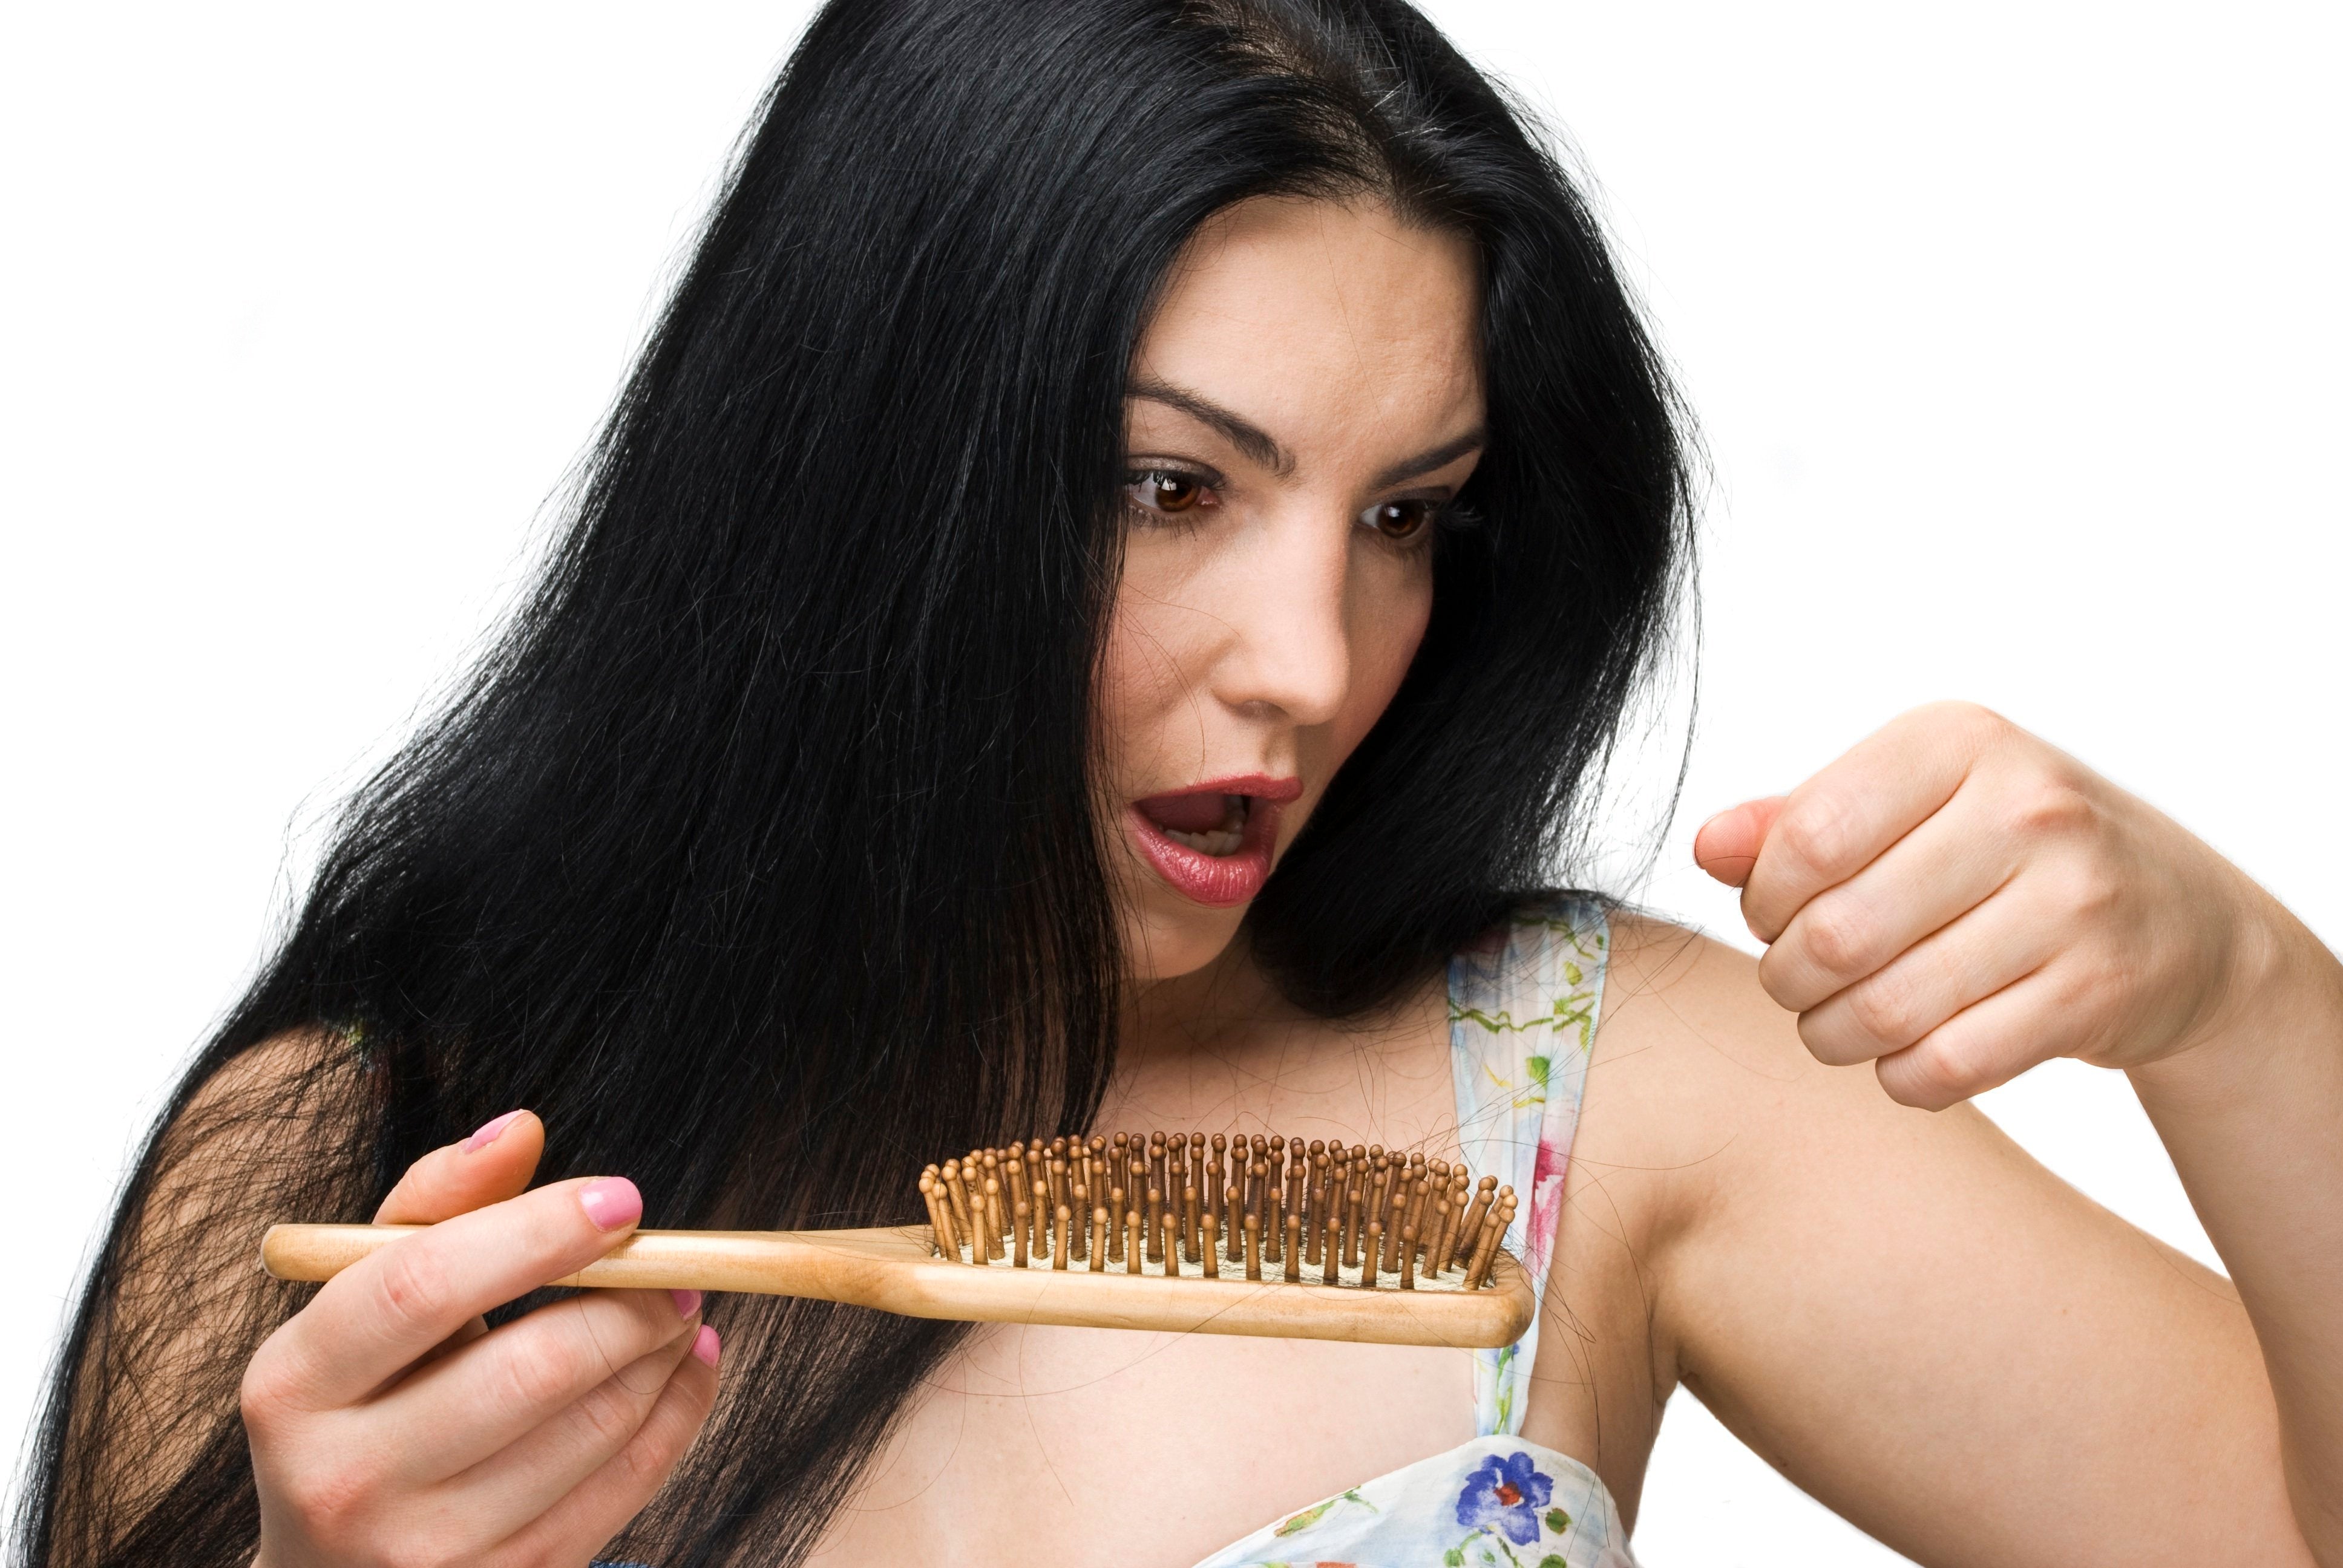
column 1261, row 1207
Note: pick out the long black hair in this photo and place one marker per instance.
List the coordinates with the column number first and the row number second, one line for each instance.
column 758, row 858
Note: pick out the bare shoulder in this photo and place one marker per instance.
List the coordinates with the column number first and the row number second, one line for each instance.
column 1711, row 1125
column 1830, row 1271
column 1700, row 1079
column 1700, row 1100
column 1691, row 1066
column 1695, row 1076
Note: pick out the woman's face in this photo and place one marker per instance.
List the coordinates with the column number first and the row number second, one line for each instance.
column 1306, row 399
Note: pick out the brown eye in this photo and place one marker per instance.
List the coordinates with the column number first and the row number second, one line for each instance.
column 1164, row 491
column 1401, row 521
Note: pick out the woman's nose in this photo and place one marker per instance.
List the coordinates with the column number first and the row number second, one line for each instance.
column 1291, row 648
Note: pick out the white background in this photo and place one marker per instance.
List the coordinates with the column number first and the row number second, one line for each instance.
column 2012, row 329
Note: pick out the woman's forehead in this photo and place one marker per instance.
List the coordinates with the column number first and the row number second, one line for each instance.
column 1307, row 316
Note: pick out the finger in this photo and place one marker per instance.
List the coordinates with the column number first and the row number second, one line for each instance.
column 491, row 1166
column 472, row 1329
column 575, row 1528
column 1938, row 871
column 1844, row 817
column 1726, row 845
column 1994, row 945
column 376, row 1317
column 566, row 1450
column 461, row 1409
column 1986, row 1044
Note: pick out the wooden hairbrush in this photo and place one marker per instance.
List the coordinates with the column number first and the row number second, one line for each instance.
column 1259, row 1236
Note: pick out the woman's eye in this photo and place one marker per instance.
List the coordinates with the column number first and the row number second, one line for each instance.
column 1402, row 520
column 1167, row 490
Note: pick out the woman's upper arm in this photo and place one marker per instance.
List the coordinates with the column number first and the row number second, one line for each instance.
column 1910, row 1317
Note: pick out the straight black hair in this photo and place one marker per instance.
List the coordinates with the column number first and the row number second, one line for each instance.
column 758, row 858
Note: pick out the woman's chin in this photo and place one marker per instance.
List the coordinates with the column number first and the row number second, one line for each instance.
column 1165, row 943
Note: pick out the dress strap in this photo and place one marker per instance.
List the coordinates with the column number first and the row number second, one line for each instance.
column 1522, row 1005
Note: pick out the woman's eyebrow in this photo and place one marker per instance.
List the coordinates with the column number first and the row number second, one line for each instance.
column 1261, row 446
column 1439, row 456
column 1243, row 435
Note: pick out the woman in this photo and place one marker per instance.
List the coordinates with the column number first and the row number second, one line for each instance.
column 1103, row 453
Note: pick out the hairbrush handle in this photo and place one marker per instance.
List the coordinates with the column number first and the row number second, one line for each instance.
column 896, row 1270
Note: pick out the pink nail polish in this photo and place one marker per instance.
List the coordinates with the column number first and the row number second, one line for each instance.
column 490, row 1133
column 706, row 1345
column 611, row 1202
column 685, row 1302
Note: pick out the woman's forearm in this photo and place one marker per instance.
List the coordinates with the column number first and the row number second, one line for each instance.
column 2253, row 1118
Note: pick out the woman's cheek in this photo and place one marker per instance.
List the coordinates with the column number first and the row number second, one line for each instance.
column 1139, row 668
column 1388, row 625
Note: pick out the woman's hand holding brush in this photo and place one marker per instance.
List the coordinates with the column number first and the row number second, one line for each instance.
column 389, row 1424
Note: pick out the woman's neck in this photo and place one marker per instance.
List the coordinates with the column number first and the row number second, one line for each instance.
column 1222, row 1049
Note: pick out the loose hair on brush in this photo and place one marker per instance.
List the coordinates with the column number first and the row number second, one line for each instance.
column 759, row 856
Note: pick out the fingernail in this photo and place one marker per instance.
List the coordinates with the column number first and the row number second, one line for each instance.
column 610, row 1202
column 490, row 1133
column 685, row 1302
column 706, row 1345
column 1713, row 822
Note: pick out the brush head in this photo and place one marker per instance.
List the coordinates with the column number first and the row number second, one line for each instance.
column 1263, row 1208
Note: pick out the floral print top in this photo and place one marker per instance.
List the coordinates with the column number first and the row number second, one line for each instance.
column 1521, row 1006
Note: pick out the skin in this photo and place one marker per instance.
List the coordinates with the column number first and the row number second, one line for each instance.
column 1263, row 627
column 1777, row 1198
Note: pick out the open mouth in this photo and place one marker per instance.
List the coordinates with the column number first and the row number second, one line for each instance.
column 1210, row 823
column 1213, row 842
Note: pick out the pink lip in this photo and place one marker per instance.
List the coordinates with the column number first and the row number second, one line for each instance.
column 1219, row 881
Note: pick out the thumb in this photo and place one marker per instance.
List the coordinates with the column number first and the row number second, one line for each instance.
column 491, row 1166
column 1727, row 845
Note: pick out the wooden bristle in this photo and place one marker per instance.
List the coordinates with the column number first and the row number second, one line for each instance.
column 1444, row 1220
column 1352, row 1198
column 1504, row 1223
column 1388, row 1256
column 1418, row 1199
column 956, row 1192
column 936, row 1225
column 1262, row 1206
column 1484, row 1249
column 1468, row 1234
